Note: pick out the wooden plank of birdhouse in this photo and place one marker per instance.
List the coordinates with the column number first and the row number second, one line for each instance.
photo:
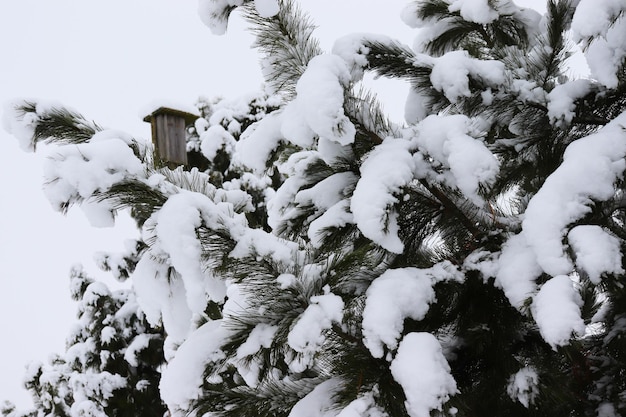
column 168, row 134
column 171, row 143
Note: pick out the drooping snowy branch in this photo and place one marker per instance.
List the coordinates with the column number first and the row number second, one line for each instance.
column 589, row 170
column 396, row 295
column 424, row 374
column 286, row 42
column 373, row 198
column 468, row 164
column 306, row 336
column 556, row 309
column 517, row 270
column 319, row 99
column 601, row 26
column 596, row 251
column 184, row 375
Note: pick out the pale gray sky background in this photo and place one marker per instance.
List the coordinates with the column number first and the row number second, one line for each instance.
column 108, row 59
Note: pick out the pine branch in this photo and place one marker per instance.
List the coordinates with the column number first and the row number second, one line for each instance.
column 395, row 60
column 142, row 199
column 450, row 205
column 287, row 44
column 272, row 398
column 590, row 120
column 601, row 106
column 422, row 220
column 360, row 373
column 480, row 40
column 294, row 227
column 59, row 125
column 367, row 114
column 461, row 34
column 193, row 180
column 433, row 9
column 546, row 65
column 216, row 245
column 509, row 32
column 273, row 359
column 65, row 127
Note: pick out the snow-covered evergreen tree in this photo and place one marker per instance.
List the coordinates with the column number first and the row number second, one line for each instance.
column 333, row 263
column 111, row 365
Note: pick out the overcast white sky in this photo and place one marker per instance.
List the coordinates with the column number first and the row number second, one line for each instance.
column 108, row 59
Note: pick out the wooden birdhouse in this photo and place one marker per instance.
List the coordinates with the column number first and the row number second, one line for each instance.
column 168, row 134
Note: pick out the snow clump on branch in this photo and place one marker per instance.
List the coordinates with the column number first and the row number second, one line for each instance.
column 215, row 13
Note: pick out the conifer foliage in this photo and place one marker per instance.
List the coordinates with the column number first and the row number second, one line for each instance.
column 331, row 263
column 111, row 366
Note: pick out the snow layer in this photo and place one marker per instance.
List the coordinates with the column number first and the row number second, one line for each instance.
column 592, row 16
column 256, row 242
column 596, row 251
column 139, row 344
column 375, row 193
column 424, row 374
column 214, row 14
column 320, row 94
column 327, row 192
column 249, row 367
column 595, row 22
column 518, row 270
column 561, row 100
column 75, row 172
column 294, row 126
column 409, row 15
column 590, row 167
column 174, row 295
column 430, row 30
column 161, row 296
column 474, row 11
column 177, row 222
column 448, row 140
column 354, row 52
column 155, row 104
column 261, row 336
column 607, row 410
column 257, row 143
column 93, row 385
column 556, row 309
column 319, row 402
column 417, row 106
column 477, row 11
column 22, row 124
column 396, row 295
column 451, row 73
column 317, row 110
column 485, row 262
column 363, row 406
column 307, row 335
column 524, row 386
column 280, row 207
column 336, row 216
column 214, row 139
column 606, row 55
column 184, row 374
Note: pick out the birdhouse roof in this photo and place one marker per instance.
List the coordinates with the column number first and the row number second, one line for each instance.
column 189, row 117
